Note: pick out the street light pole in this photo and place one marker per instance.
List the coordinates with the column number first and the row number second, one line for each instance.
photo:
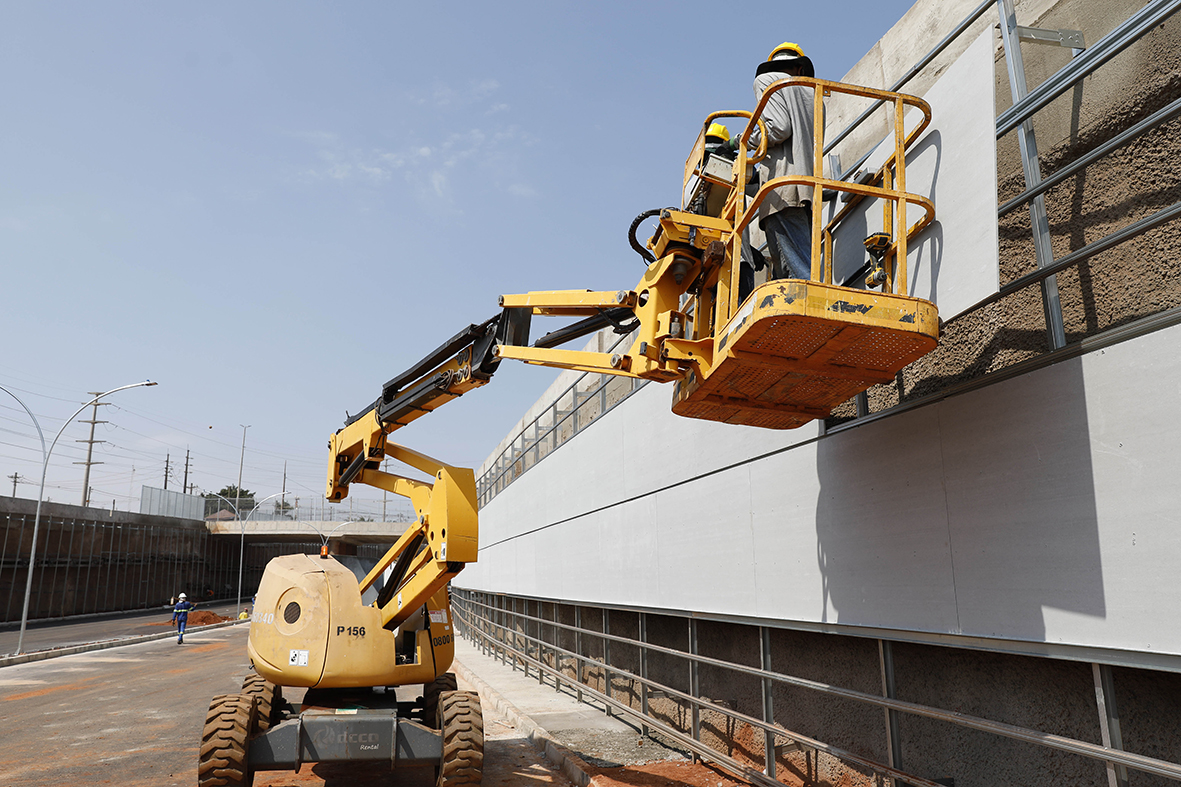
column 242, row 545
column 41, row 494
column 324, row 538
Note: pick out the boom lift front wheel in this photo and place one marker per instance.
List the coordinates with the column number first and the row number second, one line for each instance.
column 461, row 723
column 223, row 760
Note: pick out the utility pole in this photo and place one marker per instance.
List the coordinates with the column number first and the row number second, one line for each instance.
column 15, row 477
column 241, row 461
column 185, row 488
column 90, row 448
column 384, row 494
column 167, row 457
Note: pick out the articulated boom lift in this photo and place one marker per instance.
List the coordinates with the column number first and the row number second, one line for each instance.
column 778, row 357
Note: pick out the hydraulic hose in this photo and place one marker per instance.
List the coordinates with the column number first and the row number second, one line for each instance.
column 649, row 258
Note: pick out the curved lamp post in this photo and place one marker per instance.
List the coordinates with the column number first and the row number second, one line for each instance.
column 242, row 544
column 41, row 494
column 324, row 538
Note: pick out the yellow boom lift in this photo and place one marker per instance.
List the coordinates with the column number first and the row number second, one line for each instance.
column 785, row 354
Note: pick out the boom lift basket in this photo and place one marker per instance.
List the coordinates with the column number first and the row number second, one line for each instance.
column 792, row 349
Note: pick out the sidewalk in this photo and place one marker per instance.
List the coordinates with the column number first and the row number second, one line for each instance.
column 576, row 736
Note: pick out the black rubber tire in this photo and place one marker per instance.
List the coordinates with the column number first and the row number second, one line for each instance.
column 269, row 698
column 462, row 724
column 222, row 760
column 430, row 697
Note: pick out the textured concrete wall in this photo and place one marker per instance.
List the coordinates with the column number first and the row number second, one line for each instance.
column 1048, row 695
column 1140, row 277
column 92, row 560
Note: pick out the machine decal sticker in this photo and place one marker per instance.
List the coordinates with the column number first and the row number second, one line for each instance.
column 298, row 658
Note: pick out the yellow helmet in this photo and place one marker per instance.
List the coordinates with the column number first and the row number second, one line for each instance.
column 718, row 130
column 786, row 46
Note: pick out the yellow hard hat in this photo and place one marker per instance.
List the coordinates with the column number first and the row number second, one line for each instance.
column 786, row 46
column 718, row 130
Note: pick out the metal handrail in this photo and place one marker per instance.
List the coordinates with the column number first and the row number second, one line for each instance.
column 891, row 196
column 1096, row 55
column 1106, row 754
column 689, row 742
column 1166, row 113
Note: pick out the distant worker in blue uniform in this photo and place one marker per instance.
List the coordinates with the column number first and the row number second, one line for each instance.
column 180, row 616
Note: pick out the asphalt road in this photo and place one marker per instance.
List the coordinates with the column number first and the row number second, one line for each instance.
column 132, row 716
column 57, row 634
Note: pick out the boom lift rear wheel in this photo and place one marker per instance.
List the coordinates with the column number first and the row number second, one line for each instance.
column 268, row 697
column 462, row 724
column 430, row 697
column 223, row 758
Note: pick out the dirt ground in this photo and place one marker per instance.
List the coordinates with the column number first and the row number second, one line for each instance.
column 200, row 617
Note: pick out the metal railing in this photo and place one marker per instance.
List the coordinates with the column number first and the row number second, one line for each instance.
column 530, row 642
column 588, row 398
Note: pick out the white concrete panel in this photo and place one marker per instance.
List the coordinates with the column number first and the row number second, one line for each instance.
column 1135, row 449
column 706, row 548
column 627, row 568
column 954, row 261
column 1020, row 496
column 689, row 447
column 872, row 523
column 1039, row 508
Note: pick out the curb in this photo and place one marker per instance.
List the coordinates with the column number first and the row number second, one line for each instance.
column 570, row 764
column 42, row 655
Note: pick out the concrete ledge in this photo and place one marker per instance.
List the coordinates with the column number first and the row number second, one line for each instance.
column 571, row 764
column 41, row 655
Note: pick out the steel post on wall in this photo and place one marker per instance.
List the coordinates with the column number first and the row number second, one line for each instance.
column 607, row 657
column 893, row 743
column 578, row 650
column 1117, row 775
column 694, row 683
column 768, row 702
column 1027, row 142
column 515, row 640
column 644, row 672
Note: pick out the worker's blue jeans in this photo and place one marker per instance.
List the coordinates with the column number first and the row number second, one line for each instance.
column 789, row 241
column 180, row 629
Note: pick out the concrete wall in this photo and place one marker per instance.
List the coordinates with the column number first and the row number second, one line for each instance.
column 1029, row 511
column 94, row 560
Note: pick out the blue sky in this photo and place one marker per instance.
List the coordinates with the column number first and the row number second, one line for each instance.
column 272, row 208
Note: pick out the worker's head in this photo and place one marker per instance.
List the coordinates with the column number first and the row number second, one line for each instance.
column 716, row 134
column 789, row 58
column 182, row 596
column 785, row 50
